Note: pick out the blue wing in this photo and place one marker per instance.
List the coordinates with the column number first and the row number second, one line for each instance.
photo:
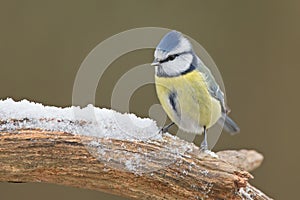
column 213, row 87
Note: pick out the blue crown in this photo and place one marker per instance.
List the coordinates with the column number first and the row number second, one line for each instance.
column 170, row 41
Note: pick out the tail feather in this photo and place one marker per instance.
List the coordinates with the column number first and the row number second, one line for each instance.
column 229, row 125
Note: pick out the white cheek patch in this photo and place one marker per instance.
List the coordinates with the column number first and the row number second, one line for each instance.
column 179, row 65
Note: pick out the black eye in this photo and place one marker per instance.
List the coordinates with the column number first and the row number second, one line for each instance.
column 172, row 57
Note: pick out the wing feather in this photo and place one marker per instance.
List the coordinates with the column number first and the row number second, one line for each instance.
column 213, row 87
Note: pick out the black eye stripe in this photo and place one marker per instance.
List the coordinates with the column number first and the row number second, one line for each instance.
column 169, row 58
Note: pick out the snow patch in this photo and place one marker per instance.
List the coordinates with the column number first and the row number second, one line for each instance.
column 245, row 193
column 211, row 153
column 90, row 121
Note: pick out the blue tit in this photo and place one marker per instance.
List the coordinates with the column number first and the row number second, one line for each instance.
column 187, row 89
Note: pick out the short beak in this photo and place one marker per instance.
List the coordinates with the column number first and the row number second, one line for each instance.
column 155, row 63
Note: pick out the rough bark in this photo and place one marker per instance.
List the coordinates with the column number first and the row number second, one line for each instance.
column 105, row 165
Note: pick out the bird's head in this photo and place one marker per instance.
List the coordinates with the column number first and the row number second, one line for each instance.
column 173, row 55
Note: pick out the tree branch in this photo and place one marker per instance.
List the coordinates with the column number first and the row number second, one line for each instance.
column 247, row 160
column 132, row 169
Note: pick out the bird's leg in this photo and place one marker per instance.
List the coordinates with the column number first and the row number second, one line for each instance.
column 204, row 145
column 165, row 128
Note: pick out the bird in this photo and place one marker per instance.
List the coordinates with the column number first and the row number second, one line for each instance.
column 187, row 90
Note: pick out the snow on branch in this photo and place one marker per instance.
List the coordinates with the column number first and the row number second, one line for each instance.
column 121, row 154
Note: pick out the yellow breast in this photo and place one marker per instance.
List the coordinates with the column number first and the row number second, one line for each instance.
column 187, row 101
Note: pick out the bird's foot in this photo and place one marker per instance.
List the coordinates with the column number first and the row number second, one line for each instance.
column 204, row 147
column 165, row 128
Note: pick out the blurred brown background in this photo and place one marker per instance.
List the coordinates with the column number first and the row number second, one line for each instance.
column 255, row 44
